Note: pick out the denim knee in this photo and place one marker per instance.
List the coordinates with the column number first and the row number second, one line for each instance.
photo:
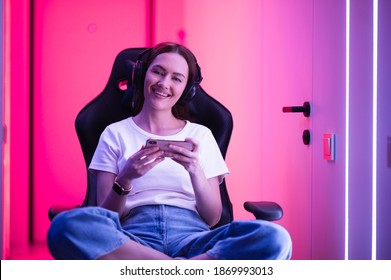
column 85, row 233
column 267, row 240
column 60, row 234
column 280, row 242
column 250, row 240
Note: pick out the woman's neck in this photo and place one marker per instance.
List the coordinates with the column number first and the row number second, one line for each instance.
column 159, row 123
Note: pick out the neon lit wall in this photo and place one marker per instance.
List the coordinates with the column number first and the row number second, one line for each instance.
column 360, row 149
column 384, row 133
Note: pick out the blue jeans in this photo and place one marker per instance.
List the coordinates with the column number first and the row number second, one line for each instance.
column 91, row 232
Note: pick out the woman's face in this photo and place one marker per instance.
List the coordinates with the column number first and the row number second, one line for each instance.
column 165, row 81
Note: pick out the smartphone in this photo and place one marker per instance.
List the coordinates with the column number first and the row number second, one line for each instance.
column 164, row 144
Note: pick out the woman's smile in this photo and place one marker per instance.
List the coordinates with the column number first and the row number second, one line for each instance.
column 157, row 91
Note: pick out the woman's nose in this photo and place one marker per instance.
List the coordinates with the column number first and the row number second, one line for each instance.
column 163, row 82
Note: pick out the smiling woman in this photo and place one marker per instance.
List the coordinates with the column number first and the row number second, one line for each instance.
column 165, row 80
column 154, row 203
column 189, row 76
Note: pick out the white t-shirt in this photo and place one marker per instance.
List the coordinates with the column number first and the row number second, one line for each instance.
column 168, row 182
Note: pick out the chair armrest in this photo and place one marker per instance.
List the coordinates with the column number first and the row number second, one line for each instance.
column 264, row 210
column 57, row 209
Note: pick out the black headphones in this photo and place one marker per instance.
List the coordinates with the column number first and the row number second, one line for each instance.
column 139, row 71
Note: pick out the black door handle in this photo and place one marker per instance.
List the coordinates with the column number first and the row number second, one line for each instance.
column 305, row 109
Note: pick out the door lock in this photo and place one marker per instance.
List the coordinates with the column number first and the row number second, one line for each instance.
column 306, row 137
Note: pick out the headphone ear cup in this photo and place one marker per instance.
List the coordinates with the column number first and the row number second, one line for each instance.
column 138, row 69
column 127, row 98
column 192, row 92
column 189, row 94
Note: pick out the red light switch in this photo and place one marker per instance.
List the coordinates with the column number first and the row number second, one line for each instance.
column 329, row 146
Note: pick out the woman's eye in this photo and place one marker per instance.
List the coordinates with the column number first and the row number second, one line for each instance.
column 158, row 72
column 177, row 79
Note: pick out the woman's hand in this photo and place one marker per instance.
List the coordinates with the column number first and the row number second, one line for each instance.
column 136, row 166
column 139, row 164
column 185, row 157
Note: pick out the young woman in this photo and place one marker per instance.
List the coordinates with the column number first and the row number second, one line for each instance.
column 156, row 203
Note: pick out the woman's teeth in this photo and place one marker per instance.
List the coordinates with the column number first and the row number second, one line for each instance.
column 161, row 94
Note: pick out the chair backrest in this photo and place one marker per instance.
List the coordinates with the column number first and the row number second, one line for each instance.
column 113, row 105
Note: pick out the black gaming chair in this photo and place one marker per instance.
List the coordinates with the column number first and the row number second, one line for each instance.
column 113, row 104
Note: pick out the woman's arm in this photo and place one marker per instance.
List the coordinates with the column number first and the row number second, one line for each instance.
column 136, row 166
column 106, row 196
column 207, row 191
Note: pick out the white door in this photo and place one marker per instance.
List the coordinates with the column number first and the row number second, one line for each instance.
column 286, row 169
